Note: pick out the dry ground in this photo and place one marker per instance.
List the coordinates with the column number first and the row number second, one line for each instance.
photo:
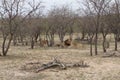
column 100, row 68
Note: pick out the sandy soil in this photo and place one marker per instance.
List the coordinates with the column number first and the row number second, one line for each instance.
column 100, row 68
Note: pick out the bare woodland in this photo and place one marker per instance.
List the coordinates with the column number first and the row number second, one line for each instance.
column 23, row 23
column 27, row 25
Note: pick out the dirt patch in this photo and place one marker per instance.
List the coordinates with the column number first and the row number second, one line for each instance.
column 100, row 68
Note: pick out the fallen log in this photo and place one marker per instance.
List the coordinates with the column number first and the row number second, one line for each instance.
column 58, row 64
column 46, row 66
column 55, row 63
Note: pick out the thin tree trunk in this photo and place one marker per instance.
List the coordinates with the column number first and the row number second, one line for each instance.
column 96, row 33
column 36, row 37
column 32, row 43
column 61, row 38
column 48, row 39
column 14, row 40
column 91, row 53
column 104, row 48
column 96, row 42
column 91, row 44
column 83, row 35
column 52, row 40
column 5, row 50
column 116, row 43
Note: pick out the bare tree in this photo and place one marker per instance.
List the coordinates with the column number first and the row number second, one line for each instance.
column 52, row 26
column 90, row 29
column 60, row 21
column 105, row 24
column 115, row 28
column 96, row 7
column 105, row 30
column 64, row 22
column 10, row 9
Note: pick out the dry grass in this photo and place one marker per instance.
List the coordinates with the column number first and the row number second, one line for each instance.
column 100, row 68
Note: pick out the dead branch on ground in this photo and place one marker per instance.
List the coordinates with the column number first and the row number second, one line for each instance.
column 54, row 64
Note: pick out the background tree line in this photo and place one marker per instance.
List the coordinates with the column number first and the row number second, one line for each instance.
column 26, row 25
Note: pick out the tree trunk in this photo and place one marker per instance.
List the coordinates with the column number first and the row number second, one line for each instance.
column 115, row 43
column 5, row 46
column 47, row 38
column 14, row 41
column 96, row 42
column 83, row 35
column 52, row 40
column 32, row 43
column 36, row 37
column 104, row 48
column 91, row 53
column 61, row 38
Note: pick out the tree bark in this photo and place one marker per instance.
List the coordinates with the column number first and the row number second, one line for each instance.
column 91, row 44
column 116, row 43
column 32, row 43
column 14, row 40
column 96, row 43
column 104, row 40
column 4, row 44
column 36, row 37
column 91, row 53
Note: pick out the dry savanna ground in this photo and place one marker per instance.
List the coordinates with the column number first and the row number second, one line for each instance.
column 100, row 68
